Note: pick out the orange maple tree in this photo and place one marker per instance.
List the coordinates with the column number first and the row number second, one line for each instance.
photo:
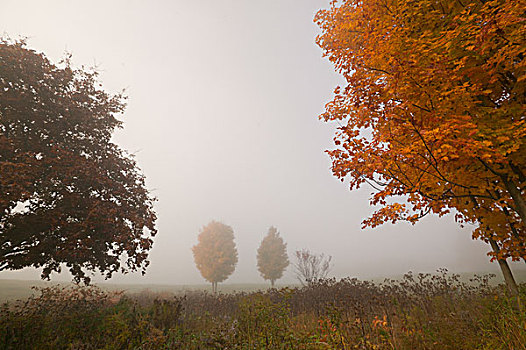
column 215, row 254
column 68, row 195
column 433, row 110
column 272, row 259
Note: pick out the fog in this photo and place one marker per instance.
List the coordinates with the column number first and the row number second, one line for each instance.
column 224, row 98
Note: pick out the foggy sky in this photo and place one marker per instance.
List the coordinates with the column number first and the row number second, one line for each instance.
column 224, row 98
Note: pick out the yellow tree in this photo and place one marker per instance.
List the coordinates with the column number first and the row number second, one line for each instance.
column 215, row 254
column 272, row 256
column 432, row 112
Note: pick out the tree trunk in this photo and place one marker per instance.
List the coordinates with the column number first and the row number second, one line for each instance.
column 515, row 193
column 506, row 271
column 503, row 264
column 214, row 287
column 272, row 283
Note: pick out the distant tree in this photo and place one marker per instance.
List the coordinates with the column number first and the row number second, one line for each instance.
column 311, row 267
column 215, row 255
column 272, row 256
column 68, row 195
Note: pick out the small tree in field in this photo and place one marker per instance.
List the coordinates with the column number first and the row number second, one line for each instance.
column 310, row 267
column 215, row 255
column 272, row 256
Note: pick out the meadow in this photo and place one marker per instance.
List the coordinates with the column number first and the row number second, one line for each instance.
column 418, row 311
column 12, row 290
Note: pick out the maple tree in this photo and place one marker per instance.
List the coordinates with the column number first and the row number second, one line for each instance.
column 215, row 254
column 68, row 195
column 432, row 112
column 272, row 259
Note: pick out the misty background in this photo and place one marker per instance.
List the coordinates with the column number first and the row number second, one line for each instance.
column 222, row 116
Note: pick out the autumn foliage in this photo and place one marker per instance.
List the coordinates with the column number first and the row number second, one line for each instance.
column 272, row 256
column 432, row 113
column 68, row 195
column 215, row 254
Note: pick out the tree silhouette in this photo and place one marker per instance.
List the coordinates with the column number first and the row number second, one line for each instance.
column 68, row 195
column 215, row 254
column 272, row 256
column 311, row 267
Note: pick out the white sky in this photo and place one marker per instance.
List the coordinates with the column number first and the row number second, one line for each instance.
column 224, row 97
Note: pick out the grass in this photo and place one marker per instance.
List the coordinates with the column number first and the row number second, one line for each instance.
column 11, row 289
column 421, row 311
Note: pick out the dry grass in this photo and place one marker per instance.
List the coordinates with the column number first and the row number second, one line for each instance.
column 417, row 312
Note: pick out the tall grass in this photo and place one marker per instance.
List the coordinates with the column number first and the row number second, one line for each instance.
column 417, row 312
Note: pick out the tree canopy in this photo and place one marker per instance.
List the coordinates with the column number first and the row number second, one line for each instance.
column 432, row 113
column 215, row 254
column 272, row 256
column 68, row 195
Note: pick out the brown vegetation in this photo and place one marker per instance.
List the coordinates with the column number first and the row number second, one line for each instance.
column 418, row 312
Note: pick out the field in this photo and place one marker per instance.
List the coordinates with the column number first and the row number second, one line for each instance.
column 11, row 289
column 423, row 311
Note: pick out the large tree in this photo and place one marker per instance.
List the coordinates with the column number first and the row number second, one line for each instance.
column 433, row 110
column 215, row 254
column 68, row 195
column 272, row 256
